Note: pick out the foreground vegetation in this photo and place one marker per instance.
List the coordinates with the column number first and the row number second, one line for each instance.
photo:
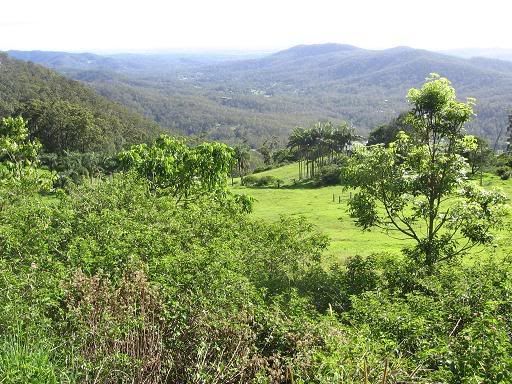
column 158, row 273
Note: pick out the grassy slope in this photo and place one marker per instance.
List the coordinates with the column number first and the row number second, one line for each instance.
column 332, row 218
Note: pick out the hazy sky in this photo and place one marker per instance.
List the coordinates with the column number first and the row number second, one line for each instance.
column 113, row 25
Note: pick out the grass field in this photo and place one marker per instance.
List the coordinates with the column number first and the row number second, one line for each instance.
column 331, row 217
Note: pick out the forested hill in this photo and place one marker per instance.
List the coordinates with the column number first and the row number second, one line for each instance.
column 366, row 87
column 341, row 66
column 252, row 99
column 65, row 114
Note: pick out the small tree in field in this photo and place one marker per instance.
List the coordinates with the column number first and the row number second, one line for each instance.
column 479, row 156
column 417, row 187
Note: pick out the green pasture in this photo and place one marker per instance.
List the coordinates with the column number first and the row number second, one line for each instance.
column 332, row 218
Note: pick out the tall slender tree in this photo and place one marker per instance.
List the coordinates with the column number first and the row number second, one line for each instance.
column 417, row 187
column 242, row 157
column 509, row 132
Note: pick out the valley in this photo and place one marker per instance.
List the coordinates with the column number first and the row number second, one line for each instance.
column 234, row 100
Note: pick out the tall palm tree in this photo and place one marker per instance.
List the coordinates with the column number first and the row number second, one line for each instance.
column 319, row 145
column 297, row 143
column 242, row 161
column 343, row 136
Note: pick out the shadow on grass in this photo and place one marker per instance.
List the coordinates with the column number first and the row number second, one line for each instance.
column 306, row 184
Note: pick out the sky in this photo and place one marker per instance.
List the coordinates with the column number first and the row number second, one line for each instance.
column 256, row 25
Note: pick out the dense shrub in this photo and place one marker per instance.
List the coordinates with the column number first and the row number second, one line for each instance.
column 119, row 327
column 264, row 168
column 262, row 181
column 117, row 284
column 447, row 323
column 328, row 175
column 504, row 172
column 115, row 281
column 504, row 166
column 504, row 159
column 138, row 288
column 76, row 167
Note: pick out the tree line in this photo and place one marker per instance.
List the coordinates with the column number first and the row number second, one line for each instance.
column 319, row 145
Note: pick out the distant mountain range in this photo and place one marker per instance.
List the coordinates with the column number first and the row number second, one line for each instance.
column 126, row 62
column 489, row 53
column 234, row 99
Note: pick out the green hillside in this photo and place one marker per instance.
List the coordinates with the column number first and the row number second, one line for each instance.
column 65, row 114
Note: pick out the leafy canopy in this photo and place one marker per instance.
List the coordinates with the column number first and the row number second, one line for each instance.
column 16, row 150
column 171, row 166
column 417, row 187
column 18, row 161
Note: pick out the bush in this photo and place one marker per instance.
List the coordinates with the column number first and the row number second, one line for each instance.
column 328, row 175
column 447, row 322
column 361, row 274
column 263, row 181
column 263, row 169
column 137, row 288
column 113, row 283
column 119, row 327
column 504, row 172
column 504, row 160
column 330, row 290
column 504, row 166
